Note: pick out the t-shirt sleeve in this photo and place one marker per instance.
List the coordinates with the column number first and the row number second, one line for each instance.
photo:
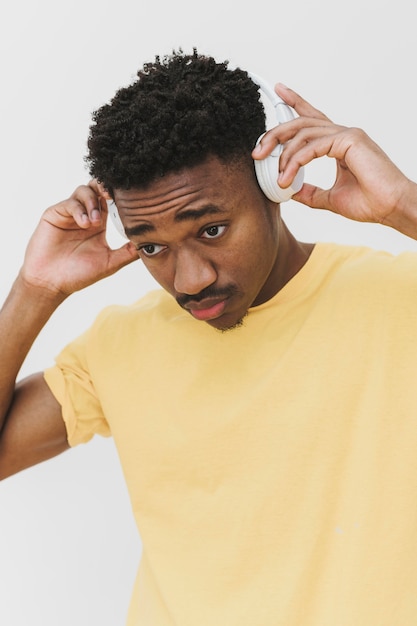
column 71, row 384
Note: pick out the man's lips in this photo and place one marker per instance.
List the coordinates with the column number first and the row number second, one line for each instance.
column 206, row 309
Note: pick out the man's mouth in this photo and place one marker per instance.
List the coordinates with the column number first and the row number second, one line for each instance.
column 207, row 309
column 209, row 303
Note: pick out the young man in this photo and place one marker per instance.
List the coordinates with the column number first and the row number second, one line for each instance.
column 271, row 466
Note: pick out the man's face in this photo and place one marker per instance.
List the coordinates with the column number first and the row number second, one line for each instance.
column 209, row 237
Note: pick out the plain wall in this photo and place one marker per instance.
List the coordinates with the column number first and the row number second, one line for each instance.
column 68, row 545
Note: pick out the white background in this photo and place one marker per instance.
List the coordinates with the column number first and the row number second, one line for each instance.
column 68, row 546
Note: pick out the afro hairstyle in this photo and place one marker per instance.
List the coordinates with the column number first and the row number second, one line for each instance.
column 179, row 111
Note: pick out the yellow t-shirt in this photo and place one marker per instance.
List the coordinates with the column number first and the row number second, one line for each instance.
column 272, row 469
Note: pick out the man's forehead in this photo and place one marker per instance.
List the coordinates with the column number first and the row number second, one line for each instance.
column 166, row 191
column 194, row 187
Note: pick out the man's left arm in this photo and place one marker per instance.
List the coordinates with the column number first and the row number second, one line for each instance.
column 368, row 186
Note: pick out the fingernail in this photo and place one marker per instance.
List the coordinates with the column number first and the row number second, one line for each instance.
column 95, row 214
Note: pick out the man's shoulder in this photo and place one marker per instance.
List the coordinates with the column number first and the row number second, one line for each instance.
column 358, row 259
column 368, row 271
column 156, row 304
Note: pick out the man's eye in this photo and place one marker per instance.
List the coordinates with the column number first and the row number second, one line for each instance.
column 211, row 232
column 151, row 249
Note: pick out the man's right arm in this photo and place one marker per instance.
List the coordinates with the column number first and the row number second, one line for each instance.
column 31, row 424
column 67, row 252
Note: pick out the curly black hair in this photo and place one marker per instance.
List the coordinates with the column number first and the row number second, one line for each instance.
column 180, row 110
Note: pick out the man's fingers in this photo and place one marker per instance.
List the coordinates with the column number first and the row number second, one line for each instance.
column 85, row 208
column 301, row 106
column 306, row 143
column 313, row 197
column 72, row 213
column 90, row 199
column 123, row 256
column 309, row 117
column 295, row 134
column 309, row 145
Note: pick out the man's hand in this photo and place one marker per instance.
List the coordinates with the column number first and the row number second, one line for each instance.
column 68, row 250
column 368, row 187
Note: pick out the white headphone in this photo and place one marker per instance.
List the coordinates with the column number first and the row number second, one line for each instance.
column 115, row 218
column 266, row 170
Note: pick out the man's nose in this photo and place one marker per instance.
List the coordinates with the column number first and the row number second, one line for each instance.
column 193, row 273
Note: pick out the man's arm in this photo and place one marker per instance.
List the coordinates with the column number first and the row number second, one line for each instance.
column 34, row 430
column 67, row 252
column 368, row 186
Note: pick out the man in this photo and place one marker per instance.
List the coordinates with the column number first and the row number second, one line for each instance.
column 262, row 402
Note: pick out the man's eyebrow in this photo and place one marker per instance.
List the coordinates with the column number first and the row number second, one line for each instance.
column 186, row 214
column 195, row 214
column 139, row 229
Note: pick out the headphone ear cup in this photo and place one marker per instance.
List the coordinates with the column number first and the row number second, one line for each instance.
column 267, row 174
column 115, row 218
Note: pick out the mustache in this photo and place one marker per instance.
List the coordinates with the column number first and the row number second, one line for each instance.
column 207, row 293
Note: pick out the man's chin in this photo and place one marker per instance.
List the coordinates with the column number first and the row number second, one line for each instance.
column 224, row 326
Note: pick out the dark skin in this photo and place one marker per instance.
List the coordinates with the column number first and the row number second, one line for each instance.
column 211, row 239
column 234, row 243
column 228, row 235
